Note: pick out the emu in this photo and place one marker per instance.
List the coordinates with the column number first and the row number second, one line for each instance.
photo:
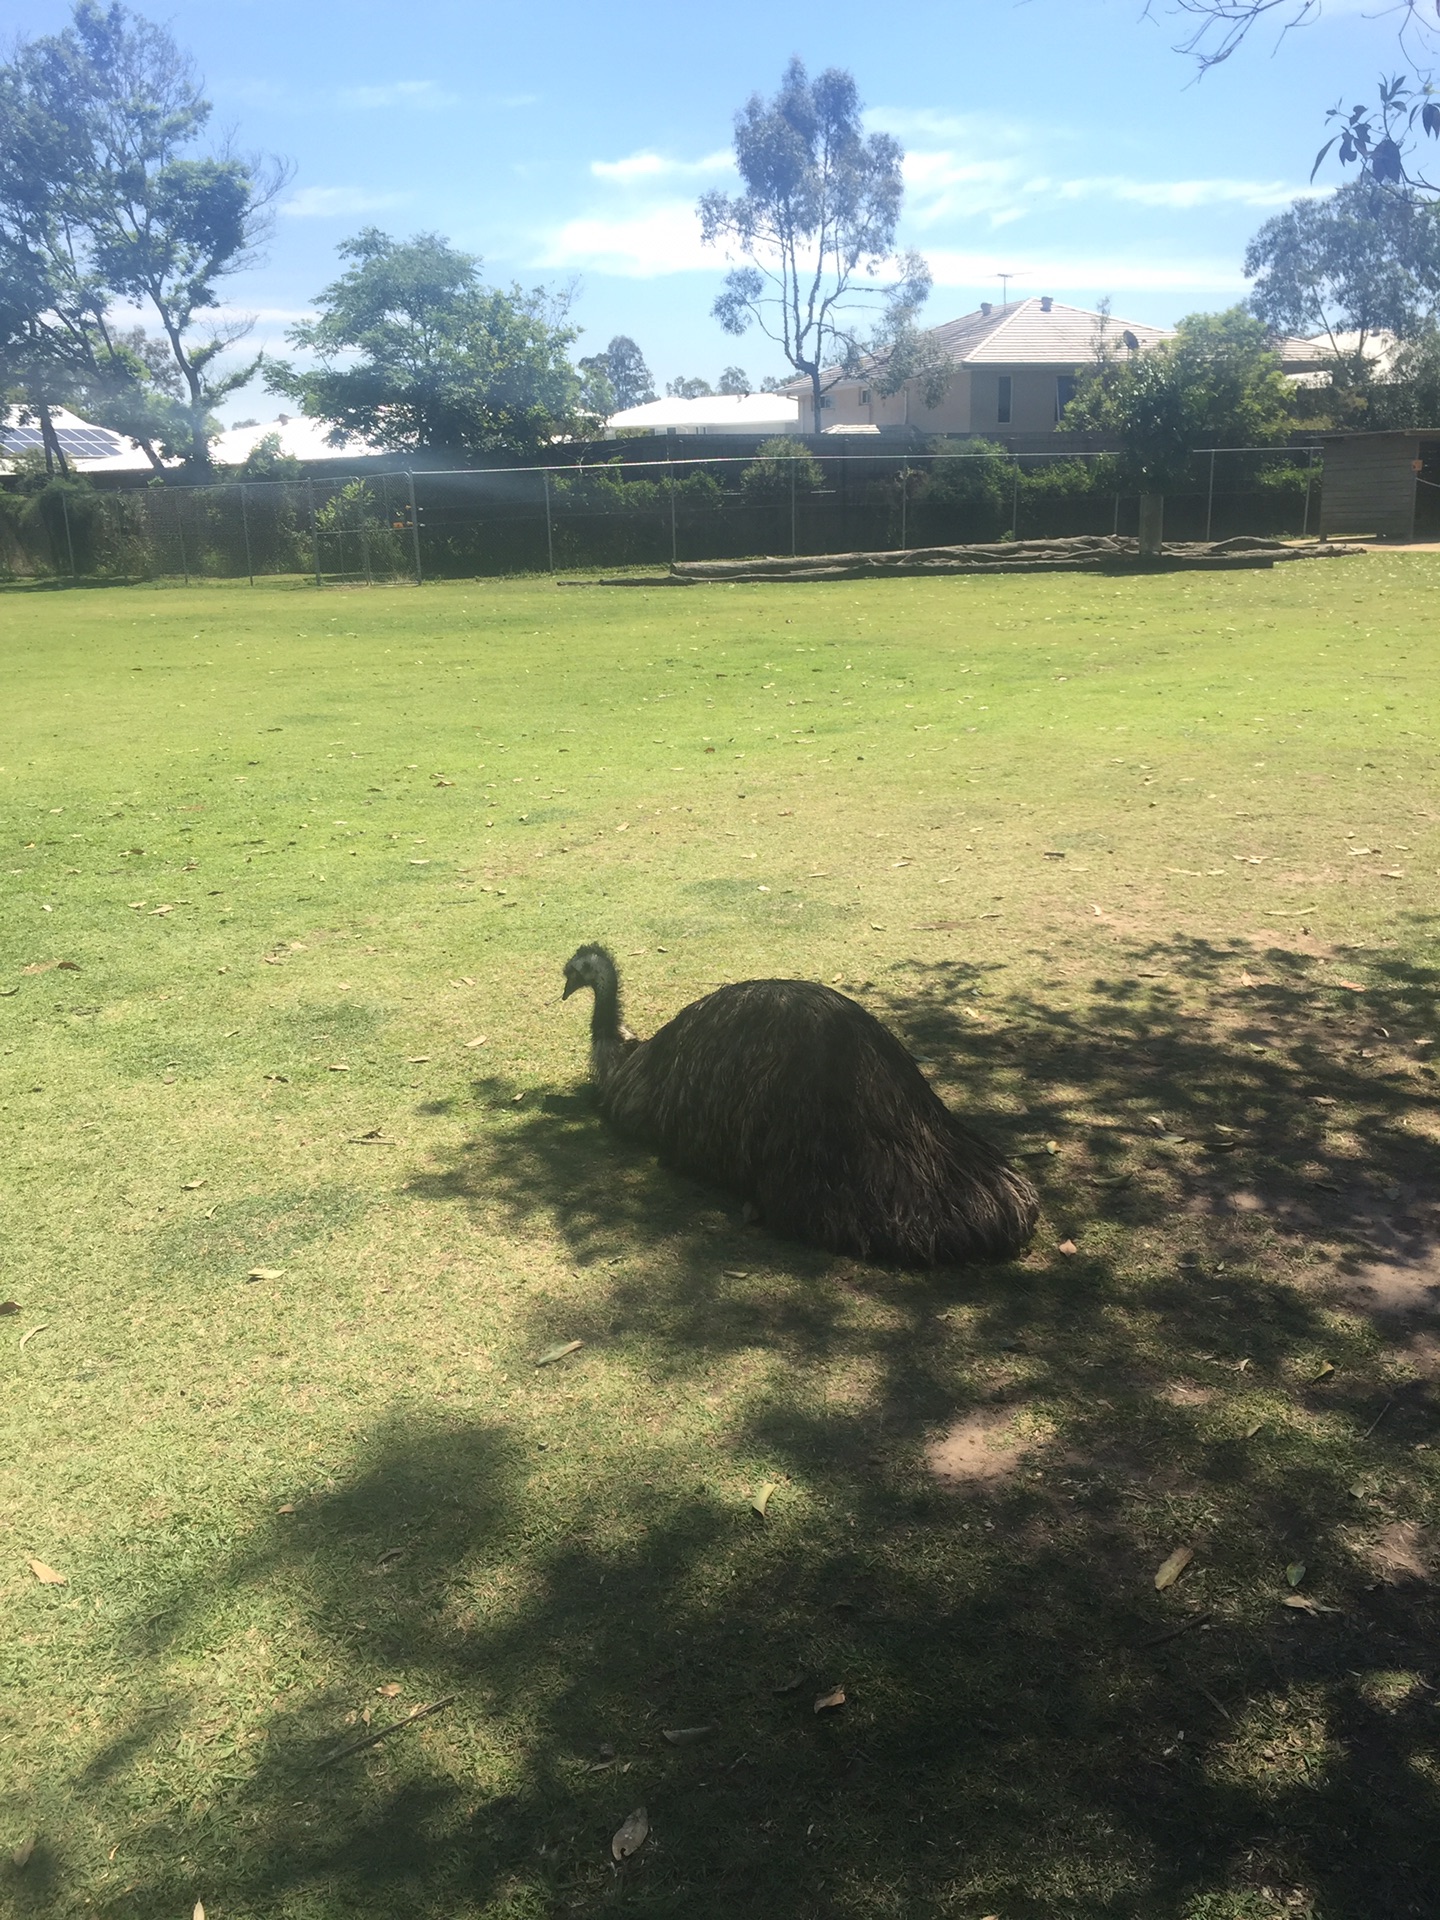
column 794, row 1097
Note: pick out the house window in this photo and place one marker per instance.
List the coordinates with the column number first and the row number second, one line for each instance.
column 1064, row 392
column 864, row 396
column 827, row 399
column 1002, row 409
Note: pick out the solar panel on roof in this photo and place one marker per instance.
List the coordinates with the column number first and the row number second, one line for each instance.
column 80, row 443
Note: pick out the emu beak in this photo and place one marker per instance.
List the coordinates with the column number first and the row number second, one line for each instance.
column 571, row 983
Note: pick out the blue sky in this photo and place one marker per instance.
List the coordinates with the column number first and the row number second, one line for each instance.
column 1062, row 140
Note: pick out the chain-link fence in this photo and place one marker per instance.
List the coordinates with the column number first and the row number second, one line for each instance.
column 624, row 513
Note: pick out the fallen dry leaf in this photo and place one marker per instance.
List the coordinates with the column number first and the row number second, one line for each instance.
column 736, row 1273
column 824, row 1702
column 479, row 1041
column 559, row 1353
column 391, row 1689
column 629, row 1838
column 189, row 1186
column 761, row 1500
column 9, row 1306
column 688, row 1736
column 790, row 1686
column 1253, row 1429
column 1171, row 1568
column 1067, row 1247
column 1325, row 1373
column 21, row 1855
column 199, row 1911
column 47, row 1576
column 1295, row 1573
column 1302, row 1603
column 1350, row 986
column 26, row 1338
column 265, row 1273
column 606, row 1757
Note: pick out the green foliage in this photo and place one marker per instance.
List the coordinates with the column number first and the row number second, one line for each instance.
column 103, row 199
column 781, row 466
column 617, row 378
column 1217, row 383
column 267, row 461
column 415, row 352
column 816, row 223
column 1363, row 260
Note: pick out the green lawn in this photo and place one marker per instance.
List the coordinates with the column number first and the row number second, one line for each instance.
column 1145, row 872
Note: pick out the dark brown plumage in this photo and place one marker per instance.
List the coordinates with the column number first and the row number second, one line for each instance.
column 791, row 1095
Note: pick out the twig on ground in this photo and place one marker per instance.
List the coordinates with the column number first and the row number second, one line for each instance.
column 1378, row 1418
column 383, row 1733
column 1174, row 1633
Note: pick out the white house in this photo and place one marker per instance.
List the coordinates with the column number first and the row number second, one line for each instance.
column 1013, row 371
column 748, row 413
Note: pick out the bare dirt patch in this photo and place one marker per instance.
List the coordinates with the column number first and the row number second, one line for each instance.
column 1401, row 1551
column 982, row 1448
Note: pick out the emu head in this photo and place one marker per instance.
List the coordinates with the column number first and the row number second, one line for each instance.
column 589, row 966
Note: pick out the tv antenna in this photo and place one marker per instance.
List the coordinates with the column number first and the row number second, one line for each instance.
column 1005, row 279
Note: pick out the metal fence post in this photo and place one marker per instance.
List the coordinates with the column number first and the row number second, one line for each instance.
column 793, row 465
column 1309, row 489
column 674, row 548
column 1015, row 505
column 69, row 538
column 1210, row 497
column 904, row 503
column 549, row 530
column 245, row 523
column 415, row 530
column 314, row 527
column 180, row 534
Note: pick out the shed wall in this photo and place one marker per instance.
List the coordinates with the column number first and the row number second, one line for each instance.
column 1370, row 486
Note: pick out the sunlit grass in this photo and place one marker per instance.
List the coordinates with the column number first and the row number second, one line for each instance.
column 1145, row 872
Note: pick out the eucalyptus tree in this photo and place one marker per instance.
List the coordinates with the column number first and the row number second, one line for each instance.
column 107, row 199
column 814, row 228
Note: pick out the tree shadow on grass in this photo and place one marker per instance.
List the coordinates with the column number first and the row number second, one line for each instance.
column 977, row 1476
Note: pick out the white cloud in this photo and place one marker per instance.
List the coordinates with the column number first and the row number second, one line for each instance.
column 1184, row 194
column 662, row 239
column 326, row 203
column 399, row 93
column 655, row 166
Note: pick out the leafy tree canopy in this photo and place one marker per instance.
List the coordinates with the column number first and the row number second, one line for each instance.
column 415, row 351
column 1363, row 260
column 629, row 374
column 104, row 198
column 815, row 227
column 1216, row 383
column 682, row 388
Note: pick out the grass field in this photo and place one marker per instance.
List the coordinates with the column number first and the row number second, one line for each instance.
column 1143, row 870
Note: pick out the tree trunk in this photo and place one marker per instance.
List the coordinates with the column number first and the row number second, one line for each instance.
column 815, row 397
column 50, row 440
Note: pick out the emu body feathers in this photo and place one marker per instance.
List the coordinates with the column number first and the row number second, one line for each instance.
column 791, row 1095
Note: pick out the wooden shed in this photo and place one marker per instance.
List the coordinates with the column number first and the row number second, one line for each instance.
column 1386, row 485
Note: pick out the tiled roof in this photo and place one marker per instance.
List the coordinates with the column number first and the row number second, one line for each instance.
column 1027, row 334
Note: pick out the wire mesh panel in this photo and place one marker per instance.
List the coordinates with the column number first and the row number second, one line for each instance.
column 785, row 497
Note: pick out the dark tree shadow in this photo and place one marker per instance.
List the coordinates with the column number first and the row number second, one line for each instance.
column 1239, row 1357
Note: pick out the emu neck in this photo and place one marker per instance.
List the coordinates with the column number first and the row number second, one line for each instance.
column 608, row 1033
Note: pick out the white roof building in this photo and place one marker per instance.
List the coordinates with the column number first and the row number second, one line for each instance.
column 300, row 439
column 749, row 413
